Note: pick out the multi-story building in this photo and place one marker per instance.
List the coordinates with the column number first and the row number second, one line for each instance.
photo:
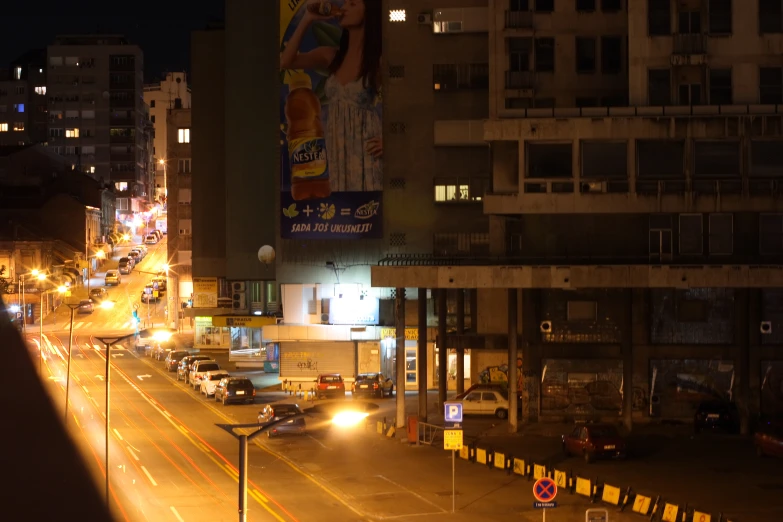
column 96, row 111
column 180, row 210
column 633, row 206
column 23, row 100
column 171, row 93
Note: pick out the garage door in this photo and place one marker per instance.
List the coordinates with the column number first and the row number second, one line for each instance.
column 300, row 360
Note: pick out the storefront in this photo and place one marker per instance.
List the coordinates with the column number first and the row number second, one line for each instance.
column 389, row 348
column 242, row 336
column 205, row 335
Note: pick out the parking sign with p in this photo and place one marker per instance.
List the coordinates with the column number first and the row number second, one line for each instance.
column 453, row 412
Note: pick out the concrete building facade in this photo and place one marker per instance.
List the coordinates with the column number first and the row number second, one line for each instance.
column 96, row 111
column 23, row 100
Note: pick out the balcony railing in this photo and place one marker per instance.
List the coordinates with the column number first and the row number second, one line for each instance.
column 519, row 20
column 520, row 80
column 649, row 111
column 689, row 43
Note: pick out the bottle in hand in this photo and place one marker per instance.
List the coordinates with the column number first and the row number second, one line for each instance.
column 324, row 8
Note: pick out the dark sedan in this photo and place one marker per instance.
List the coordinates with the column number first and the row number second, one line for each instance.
column 173, row 359
column 593, row 441
column 235, row 389
column 372, row 385
column 717, row 416
column 276, row 412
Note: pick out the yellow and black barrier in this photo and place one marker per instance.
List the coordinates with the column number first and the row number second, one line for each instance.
column 644, row 505
column 499, row 460
column 519, row 467
column 539, row 471
column 615, row 496
column 586, row 488
column 481, row 456
column 563, row 479
column 670, row 512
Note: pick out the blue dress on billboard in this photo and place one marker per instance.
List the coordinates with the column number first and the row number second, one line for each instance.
column 351, row 120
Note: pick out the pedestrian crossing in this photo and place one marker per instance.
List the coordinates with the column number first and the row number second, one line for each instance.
column 92, row 325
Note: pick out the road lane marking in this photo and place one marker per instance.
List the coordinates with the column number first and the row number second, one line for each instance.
column 324, row 446
column 85, row 389
column 116, row 432
column 149, row 476
column 133, row 454
column 167, row 414
column 174, row 510
column 78, row 325
column 411, row 492
column 203, row 447
column 258, row 496
column 231, row 470
column 76, row 377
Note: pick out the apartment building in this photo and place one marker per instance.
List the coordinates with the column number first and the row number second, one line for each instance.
column 23, row 100
column 173, row 92
column 180, row 210
column 96, row 111
column 635, row 222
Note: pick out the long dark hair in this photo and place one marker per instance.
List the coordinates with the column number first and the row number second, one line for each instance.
column 371, row 51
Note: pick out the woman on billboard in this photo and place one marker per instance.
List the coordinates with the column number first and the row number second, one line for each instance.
column 353, row 124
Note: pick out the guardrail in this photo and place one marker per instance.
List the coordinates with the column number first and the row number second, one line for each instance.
column 428, row 433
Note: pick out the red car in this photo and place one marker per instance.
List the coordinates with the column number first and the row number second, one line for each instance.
column 593, row 441
column 769, row 441
column 330, row 385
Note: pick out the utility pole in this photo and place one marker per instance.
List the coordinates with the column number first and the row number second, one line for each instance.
column 87, row 255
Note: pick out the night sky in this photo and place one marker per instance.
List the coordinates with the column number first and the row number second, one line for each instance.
column 161, row 28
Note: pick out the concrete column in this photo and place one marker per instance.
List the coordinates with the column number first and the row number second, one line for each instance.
column 497, row 236
column 474, row 310
column 512, row 359
column 742, row 358
column 626, row 340
column 460, row 332
column 531, row 356
column 754, row 343
column 421, row 359
column 443, row 350
column 400, row 349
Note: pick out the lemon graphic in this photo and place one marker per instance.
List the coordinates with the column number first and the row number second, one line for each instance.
column 327, row 211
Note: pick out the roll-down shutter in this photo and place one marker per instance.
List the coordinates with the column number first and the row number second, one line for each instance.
column 299, row 360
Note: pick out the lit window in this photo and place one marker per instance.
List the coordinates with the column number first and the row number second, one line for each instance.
column 18, row 107
column 3, row 127
column 397, row 15
column 19, row 126
column 41, row 90
column 71, row 133
column 17, row 73
column 183, row 135
column 440, row 193
column 92, row 169
column 121, row 186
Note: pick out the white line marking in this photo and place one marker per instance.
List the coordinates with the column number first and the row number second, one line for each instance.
column 78, row 325
column 324, row 446
column 118, row 434
column 97, row 347
column 77, row 378
column 85, row 389
column 133, row 454
column 167, row 414
column 149, row 476
column 174, row 510
column 411, row 492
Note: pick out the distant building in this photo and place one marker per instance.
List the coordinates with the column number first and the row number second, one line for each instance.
column 96, row 112
column 23, row 100
column 171, row 93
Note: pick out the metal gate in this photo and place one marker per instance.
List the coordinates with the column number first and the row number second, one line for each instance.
column 304, row 360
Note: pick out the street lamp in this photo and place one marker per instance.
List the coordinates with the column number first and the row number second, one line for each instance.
column 344, row 419
column 42, row 278
column 160, row 336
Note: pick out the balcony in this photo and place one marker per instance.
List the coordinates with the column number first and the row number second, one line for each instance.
column 122, row 122
column 454, row 133
column 122, row 139
column 123, row 157
column 689, row 49
column 519, row 20
column 520, row 80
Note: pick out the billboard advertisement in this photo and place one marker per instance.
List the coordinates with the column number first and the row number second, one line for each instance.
column 330, row 119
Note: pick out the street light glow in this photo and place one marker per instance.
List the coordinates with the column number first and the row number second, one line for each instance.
column 349, row 418
column 34, row 272
column 125, row 237
column 162, row 161
column 41, row 277
column 165, row 267
column 107, row 305
column 100, row 254
column 62, row 289
column 161, row 336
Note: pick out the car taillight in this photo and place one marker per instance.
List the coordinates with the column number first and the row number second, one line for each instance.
column 254, row 393
column 375, row 386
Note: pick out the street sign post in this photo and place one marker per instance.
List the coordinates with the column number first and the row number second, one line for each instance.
column 452, row 440
column 544, row 491
column 600, row 515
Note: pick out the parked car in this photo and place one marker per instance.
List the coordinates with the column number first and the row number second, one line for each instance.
column 330, row 385
column 112, row 278
column 135, row 255
column 98, row 294
column 184, row 364
column 148, row 294
column 768, row 440
column 235, row 389
column 593, row 441
column 489, row 386
column 210, row 381
column 197, row 371
column 486, row 402
column 173, row 359
column 125, row 265
column 717, row 416
column 151, row 239
column 161, row 281
column 158, row 234
column 276, row 412
column 372, row 385
column 85, row 306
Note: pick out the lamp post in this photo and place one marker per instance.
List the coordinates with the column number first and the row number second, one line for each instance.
column 160, row 336
column 42, row 278
column 343, row 419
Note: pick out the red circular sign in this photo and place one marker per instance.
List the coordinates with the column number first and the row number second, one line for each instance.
column 545, row 489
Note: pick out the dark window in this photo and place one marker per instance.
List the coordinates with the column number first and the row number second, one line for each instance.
column 549, row 160
column 689, row 22
column 721, row 234
column 452, row 76
column 771, row 234
column 585, row 5
column 519, row 54
column 587, row 102
column 152, row 104
column 659, row 18
column 545, row 6
column 689, row 94
column 152, row 118
column 659, row 86
column 518, row 103
column 720, row 16
column 620, row 100
column 604, row 159
column 720, row 87
column 770, row 85
column 660, row 159
column 691, row 234
column 543, row 103
column 766, row 161
column 770, row 16
column 716, row 159
column 519, row 5
column 692, row 311
column 611, row 54
column 585, row 55
column 611, row 5
column 545, row 54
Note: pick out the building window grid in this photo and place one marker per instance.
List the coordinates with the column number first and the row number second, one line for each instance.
column 460, row 190
column 452, row 76
column 183, row 165
column 770, row 16
column 771, row 85
column 460, row 243
column 721, row 87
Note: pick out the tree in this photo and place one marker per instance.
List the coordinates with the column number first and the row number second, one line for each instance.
column 3, row 281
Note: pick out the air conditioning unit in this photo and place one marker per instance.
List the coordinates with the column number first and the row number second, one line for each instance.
column 238, row 286
column 545, row 326
column 424, row 19
column 239, row 300
column 324, row 318
column 594, row 187
column 766, row 327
